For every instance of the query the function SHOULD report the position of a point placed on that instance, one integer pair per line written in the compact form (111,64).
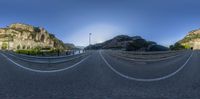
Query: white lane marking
(44,71)
(145,80)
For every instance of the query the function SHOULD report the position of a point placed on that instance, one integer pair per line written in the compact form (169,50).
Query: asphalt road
(103,76)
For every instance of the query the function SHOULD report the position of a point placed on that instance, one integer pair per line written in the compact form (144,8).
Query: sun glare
(100,33)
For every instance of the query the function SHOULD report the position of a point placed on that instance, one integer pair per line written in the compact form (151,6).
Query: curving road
(100,75)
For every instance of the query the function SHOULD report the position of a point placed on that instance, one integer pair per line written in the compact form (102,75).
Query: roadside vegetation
(178,46)
(38,51)
(4,46)
(190,38)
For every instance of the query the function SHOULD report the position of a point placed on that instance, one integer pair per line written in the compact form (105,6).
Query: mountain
(80,47)
(24,36)
(69,46)
(191,40)
(125,42)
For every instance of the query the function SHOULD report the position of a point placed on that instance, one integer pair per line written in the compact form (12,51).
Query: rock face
(192,40)
(23,36)
(135,43)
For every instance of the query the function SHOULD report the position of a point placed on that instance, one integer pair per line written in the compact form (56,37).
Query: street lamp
(90,38)
(8,42)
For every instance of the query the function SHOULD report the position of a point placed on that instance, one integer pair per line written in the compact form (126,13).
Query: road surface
(103,76)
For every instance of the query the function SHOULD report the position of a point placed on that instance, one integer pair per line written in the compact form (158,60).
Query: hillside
(191,40)
(23,36)
(125,42)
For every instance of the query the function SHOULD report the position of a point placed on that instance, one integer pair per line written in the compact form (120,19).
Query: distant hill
(23,36)
(80,47)
(69,46)
(125,42)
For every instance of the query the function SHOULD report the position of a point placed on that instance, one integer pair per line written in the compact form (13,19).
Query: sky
(162,21)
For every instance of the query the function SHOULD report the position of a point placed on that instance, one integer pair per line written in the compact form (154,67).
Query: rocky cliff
(24,36)
(191,40)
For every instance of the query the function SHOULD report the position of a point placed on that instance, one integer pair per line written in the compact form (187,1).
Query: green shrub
(24,47)
(29,52)
(28,47)
(177,46)
(37,29)
(4,46)
(18,47)
(39,51)
(187,46)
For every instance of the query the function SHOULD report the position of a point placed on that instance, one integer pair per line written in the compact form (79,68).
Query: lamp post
(90,38)
(8,42)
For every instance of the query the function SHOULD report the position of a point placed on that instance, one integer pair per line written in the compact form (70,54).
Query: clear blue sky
(163,21)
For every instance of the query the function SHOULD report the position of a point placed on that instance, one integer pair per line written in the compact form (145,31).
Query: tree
(18,47)
(177,46)
(187,46)
(37,29)
(4,46)
(24,47)
(28,47)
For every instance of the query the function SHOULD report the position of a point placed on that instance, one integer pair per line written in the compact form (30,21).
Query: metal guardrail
(48,60)
(150,53)
(39,57)
(139,58)
(144,60)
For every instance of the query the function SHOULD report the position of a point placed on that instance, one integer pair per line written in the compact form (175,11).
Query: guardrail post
(58,52)
(49,62)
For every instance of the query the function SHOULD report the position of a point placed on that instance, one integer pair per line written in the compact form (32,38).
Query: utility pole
(90,38)
(8,42)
